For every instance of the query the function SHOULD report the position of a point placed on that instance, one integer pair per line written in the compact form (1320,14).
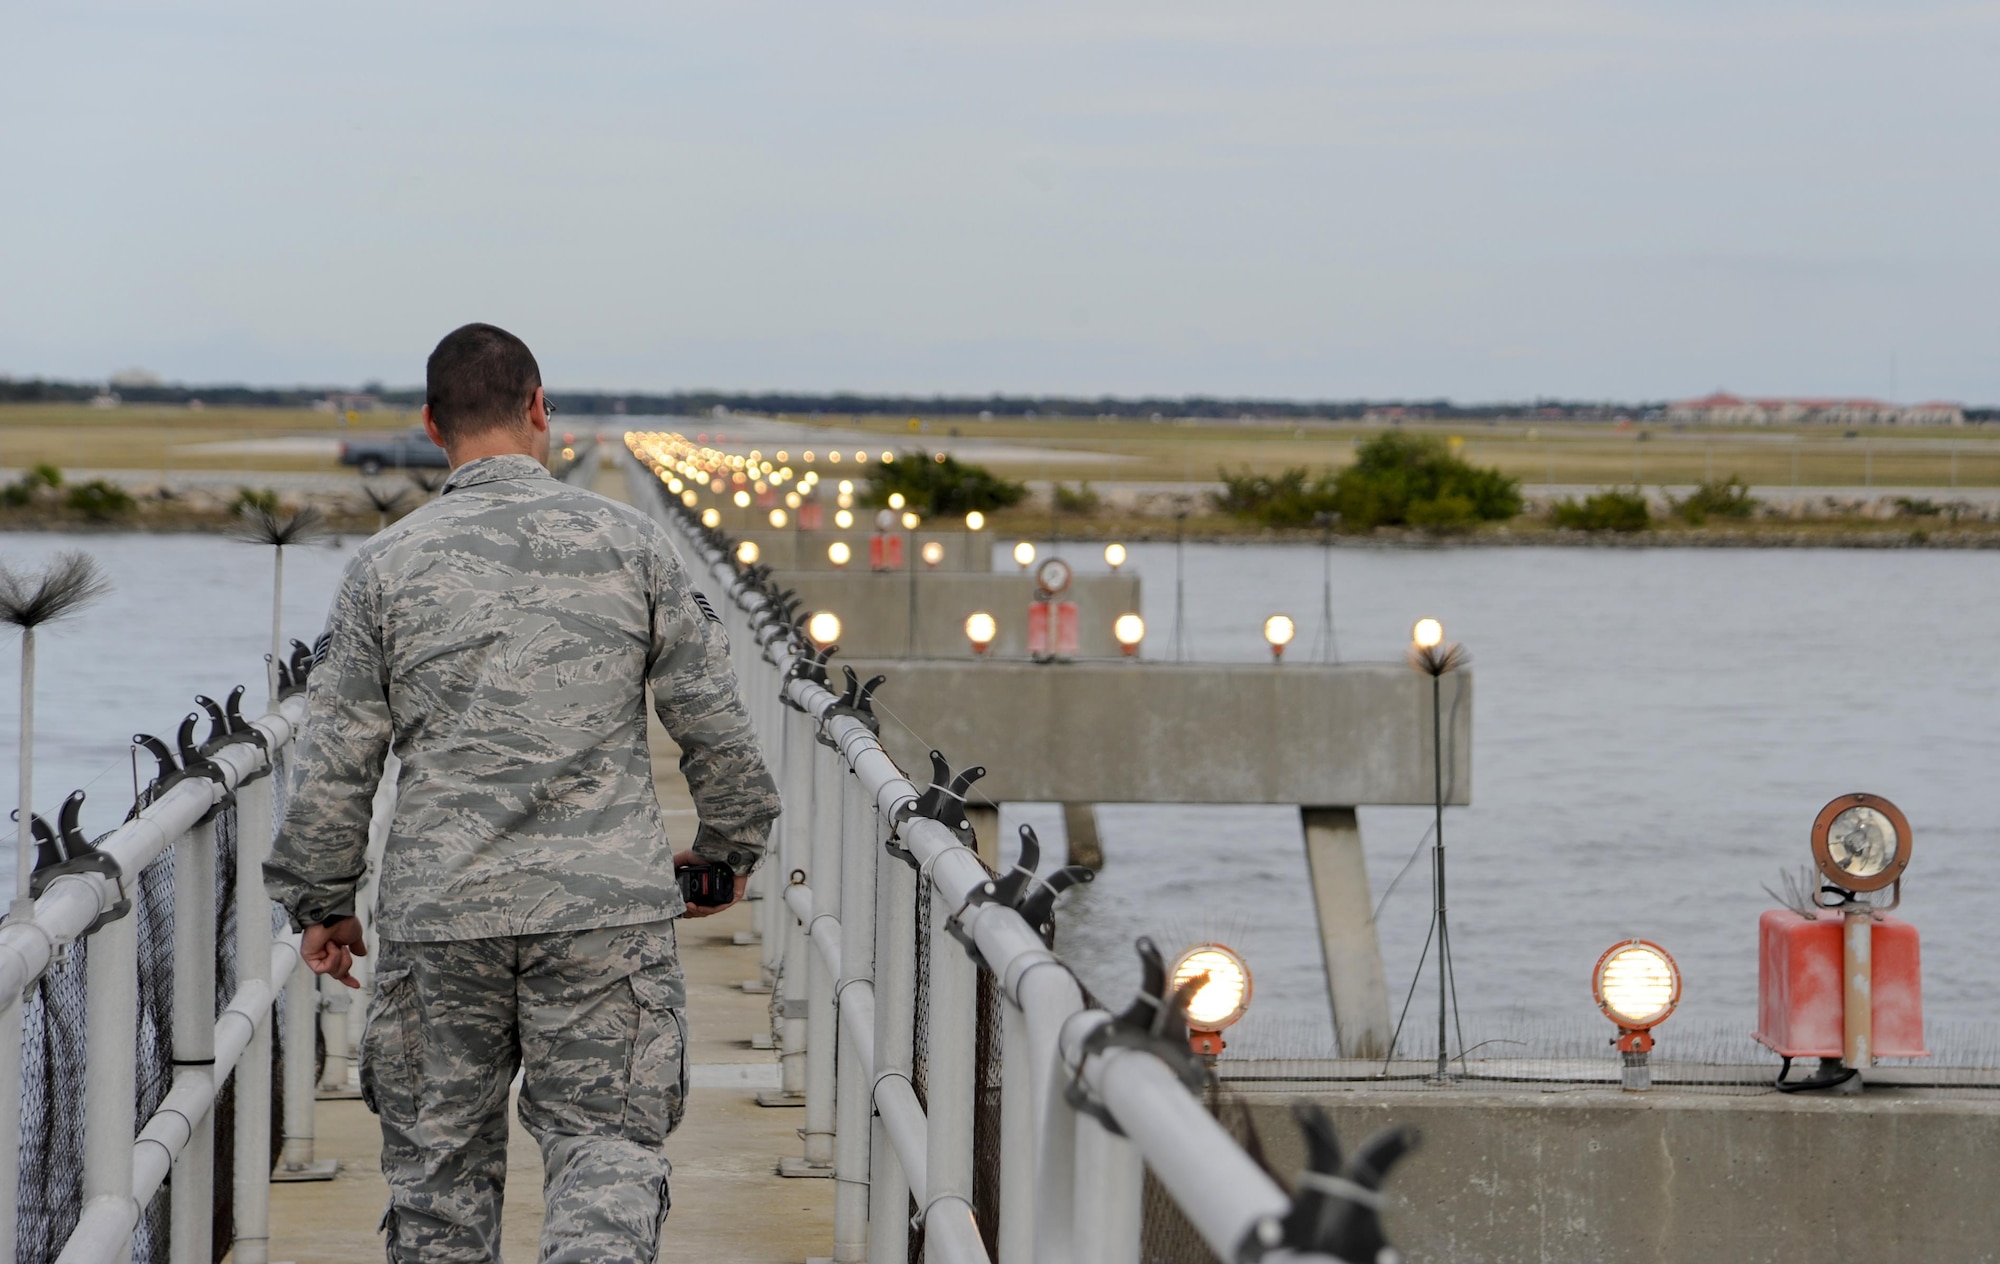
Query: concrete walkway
(729,1205)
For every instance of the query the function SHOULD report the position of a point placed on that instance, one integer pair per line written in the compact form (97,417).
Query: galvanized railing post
(301,1084)
(895,1025)
(854,1101)
(951,1048)
(191,1197)
(111,1039)
(822,1036)
(21,911)
(1109,1197)
(254,823)
(1017,1139)
(795,825)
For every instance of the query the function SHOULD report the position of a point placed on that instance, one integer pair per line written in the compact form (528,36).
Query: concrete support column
(1080,824)
(1353,953)
(986,830)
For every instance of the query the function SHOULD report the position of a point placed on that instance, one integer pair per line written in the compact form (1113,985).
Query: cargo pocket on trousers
(388,1047)
(656,1085)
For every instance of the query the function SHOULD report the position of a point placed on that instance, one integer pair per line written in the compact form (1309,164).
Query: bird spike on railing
(944,800)
(856,702)
(1156,1022)
(1025,891)
(65,850)
(1336,1209)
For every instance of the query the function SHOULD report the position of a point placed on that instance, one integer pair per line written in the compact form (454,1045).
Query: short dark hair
(480,378)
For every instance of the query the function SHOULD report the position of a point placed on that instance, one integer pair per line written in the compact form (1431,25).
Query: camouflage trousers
(596,1020)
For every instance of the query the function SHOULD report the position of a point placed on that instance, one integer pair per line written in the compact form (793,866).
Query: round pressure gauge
(1052,576)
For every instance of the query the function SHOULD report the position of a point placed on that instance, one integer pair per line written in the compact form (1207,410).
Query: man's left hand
(710,910)
(331,950)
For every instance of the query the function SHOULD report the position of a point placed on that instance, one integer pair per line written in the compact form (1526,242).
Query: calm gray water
(1654,731)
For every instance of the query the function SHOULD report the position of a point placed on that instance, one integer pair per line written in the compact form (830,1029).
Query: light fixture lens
(1428,633)
(1279,630)
(1024,553)
(910,521)
(838,553)
(748,552)
(933,553)
(793,500)
(844,519)
(1637,984)
(975,520)
(896,500)
(689,498)
(824,627)
(779,518)
(846,487)
(1114,555)
(1223,998)
(742,500)
(981,628)
(711,517)
(1861,842)
(1129,629)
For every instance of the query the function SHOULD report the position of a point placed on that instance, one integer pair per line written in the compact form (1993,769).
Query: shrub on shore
(100,501)
(938,486)
(1613,509)
(22,491)
(254,500)
(1082,499)
(1396,480)
(1716,498)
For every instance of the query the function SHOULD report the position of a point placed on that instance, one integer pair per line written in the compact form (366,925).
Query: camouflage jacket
(501,640)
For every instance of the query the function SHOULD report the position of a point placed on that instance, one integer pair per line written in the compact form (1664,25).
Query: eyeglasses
(548,405)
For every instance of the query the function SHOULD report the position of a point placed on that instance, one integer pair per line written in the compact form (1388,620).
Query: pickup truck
(403,450)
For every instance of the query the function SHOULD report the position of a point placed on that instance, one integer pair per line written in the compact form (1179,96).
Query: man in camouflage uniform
(501,641)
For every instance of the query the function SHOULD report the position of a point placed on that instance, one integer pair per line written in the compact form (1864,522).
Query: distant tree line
(850,404)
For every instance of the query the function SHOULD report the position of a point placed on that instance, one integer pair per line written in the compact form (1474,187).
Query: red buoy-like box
(1799,1005)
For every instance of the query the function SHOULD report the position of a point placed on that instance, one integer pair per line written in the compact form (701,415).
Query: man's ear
(538,412)
(431,429)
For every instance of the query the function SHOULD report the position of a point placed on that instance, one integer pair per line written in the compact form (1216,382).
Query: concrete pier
(876,609)
(1553,1172)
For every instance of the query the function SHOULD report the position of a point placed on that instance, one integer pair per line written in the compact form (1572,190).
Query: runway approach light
(846,487)
(742,500)
(823,628)
(711,517)
(910,521)
(838,553)
(975,521)
(844,519)
(1219,1001)
(980,629)
(1637,985)
(1278,633)
(1861,842)
(779,518)
(748,553)
(1024,555)
(689,498)
(896,500)
(1428,634)
(1114,555)
(793,500)
(1129,630)
(933,553)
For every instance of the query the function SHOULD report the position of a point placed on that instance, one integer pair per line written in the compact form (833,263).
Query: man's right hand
(331,950)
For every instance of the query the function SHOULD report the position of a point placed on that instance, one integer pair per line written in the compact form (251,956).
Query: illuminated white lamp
(1278,633)
(779,518)
(888,458)
(1428,634)
(846,487)
(689,498)
(823,628)
(845,500)
(1114,555)
(1024,555)
(980,629)
(711,517)
(910,521)
(1129,630)
(1637,985)
(675,486)
(1220,1000)
(747,552)
(793,500)
(975,521)
(844,519)
(896,500)
(838,553)
(933,553)
(742,500)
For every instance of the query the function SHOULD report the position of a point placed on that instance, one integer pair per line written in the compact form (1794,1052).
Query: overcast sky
(1477,198)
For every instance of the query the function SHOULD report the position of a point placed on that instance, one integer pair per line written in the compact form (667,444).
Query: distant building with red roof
(1724,409)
